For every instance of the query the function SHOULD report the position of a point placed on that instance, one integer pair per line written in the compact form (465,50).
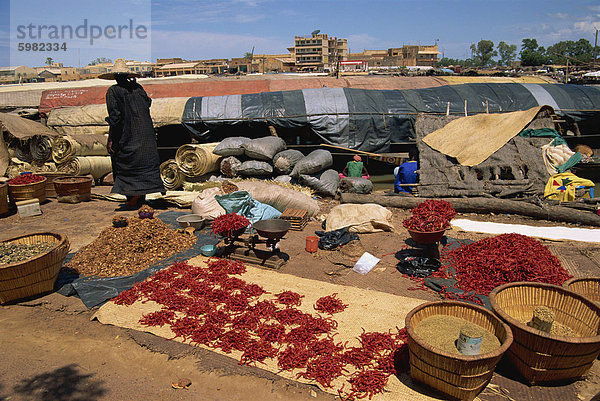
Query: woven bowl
(459,376)
(36,275)
(541,357)
(589,287)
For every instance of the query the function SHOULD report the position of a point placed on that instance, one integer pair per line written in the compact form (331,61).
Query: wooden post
(487,107)
(465,107)
(448,108)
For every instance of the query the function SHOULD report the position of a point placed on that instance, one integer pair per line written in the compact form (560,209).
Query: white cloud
(559,15)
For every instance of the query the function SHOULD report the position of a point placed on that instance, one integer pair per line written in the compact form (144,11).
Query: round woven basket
(27,191)
(36,275)
(541,357)
(589,287)
(50,177)
(459,376)
(78,187)
(3,199)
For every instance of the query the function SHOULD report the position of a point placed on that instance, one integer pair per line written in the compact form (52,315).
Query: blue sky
(229,28)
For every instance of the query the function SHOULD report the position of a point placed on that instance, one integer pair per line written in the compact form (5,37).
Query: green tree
(508,53)
(248,55)
(100,60)
(483,52)
(445,62)
(532,54)
(49,60)
(576,52)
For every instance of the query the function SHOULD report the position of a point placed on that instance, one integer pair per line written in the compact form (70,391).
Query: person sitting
(407,173)
(355,168)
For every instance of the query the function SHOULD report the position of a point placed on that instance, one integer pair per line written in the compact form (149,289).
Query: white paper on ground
(555,233)
(365,263)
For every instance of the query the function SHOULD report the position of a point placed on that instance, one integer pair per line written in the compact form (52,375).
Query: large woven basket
(36,275)
(50,177)
(542,357)
(73,189)
(589,287)
(459,376)
(28,191)
(3,199)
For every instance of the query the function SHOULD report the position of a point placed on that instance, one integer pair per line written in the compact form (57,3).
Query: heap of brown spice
(130,249)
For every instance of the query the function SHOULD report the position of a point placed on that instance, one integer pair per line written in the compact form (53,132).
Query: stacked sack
(267,157)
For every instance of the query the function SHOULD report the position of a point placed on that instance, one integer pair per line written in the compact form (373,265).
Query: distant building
(17,74)
(174,69)
(183,67)
(405,56)
(318,52)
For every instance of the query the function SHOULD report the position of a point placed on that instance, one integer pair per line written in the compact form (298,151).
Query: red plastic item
(312,244)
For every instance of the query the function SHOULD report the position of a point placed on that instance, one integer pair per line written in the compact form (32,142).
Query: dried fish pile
(14,253)
(128,250)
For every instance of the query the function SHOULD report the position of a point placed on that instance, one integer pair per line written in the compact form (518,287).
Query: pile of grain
(441,331)
(127,250)
(14,253)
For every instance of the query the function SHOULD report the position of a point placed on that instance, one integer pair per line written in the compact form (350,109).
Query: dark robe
(135,163)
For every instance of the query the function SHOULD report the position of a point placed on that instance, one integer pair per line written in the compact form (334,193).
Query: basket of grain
(568,351)
(3,199)
(27,186)
(434,358)
(589,287)
(29,264)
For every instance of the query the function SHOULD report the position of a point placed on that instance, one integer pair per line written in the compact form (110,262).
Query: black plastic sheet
(332,239)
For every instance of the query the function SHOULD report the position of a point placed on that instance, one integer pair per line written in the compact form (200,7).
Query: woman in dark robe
(131,138)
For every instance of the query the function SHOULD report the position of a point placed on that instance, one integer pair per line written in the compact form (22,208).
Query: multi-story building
(405,56)
(318,52)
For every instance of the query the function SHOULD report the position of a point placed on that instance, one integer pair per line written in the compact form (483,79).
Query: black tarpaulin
(370,120)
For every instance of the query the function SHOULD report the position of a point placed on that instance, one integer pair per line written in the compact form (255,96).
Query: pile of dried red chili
(24,179)
(431,215)
(483,265)
(208,306)
(227,224)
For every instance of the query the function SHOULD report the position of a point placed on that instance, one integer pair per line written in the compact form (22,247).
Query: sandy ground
(51,350)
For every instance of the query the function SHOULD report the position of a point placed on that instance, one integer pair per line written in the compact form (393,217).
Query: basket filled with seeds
(29,264)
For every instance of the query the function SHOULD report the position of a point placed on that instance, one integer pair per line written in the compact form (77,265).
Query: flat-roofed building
(170,70)
(17,74)
(318,52)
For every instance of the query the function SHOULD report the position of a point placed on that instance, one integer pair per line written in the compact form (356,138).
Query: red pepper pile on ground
(26,179)
(226,224)
(206,305)
(431,215)
(483,265)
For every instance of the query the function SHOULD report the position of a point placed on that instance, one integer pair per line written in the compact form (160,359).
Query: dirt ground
(51,350)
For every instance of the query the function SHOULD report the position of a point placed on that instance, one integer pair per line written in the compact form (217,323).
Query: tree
(445,62)
(248,55)
(576,52)
(49,61)
(484,51)
(100,60)
(532,54)
(508,53)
